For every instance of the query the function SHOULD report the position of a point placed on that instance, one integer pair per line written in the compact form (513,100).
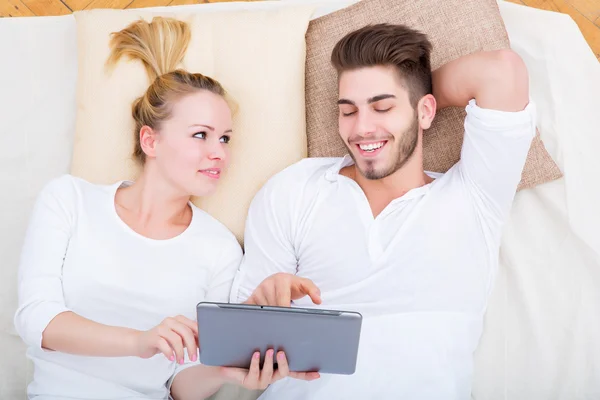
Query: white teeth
(371,146)
(212,172)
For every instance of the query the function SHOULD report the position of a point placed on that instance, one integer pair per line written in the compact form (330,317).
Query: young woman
(110,274)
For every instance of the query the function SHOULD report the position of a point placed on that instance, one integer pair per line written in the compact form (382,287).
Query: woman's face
(191,148)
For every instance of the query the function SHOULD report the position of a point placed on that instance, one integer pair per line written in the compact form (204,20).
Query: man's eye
(200,135)
(348,114)
(383,111)
(225,139)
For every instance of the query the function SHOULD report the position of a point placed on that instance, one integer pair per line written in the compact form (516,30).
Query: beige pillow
(258,56)
(455,28)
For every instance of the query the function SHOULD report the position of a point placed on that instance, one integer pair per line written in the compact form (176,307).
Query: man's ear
(426,111)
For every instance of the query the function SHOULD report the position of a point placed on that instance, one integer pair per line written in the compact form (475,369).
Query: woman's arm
(71,333)
(44,321)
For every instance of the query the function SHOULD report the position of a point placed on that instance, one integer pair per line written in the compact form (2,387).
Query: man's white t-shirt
(80,256)
(420,272)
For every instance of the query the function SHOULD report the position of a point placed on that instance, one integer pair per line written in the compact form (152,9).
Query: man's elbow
(509,79)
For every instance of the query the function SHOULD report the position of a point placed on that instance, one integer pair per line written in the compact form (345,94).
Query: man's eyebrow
(380,97)
(373,99)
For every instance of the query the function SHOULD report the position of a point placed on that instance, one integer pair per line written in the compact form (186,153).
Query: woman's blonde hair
(160,45)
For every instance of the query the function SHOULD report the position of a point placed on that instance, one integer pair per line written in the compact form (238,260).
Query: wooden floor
(586,13)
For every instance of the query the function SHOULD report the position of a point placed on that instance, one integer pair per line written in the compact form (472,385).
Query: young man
(415,252)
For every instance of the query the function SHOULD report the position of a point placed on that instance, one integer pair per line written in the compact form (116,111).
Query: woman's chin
(203,189)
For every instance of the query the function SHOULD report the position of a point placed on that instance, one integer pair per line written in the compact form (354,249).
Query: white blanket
(540,339)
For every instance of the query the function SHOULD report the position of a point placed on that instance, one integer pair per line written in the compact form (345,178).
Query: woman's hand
(170,337)
(257,379)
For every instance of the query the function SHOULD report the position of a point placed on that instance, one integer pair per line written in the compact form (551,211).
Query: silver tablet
(314,340)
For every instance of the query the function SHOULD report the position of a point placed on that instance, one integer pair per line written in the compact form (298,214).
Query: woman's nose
(217,152)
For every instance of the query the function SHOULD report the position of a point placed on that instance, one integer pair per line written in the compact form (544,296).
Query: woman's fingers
(267,371)
(174,341)
(188,338)
(193,325)
(163,346)
(252,379)
(283,368)
(305,376)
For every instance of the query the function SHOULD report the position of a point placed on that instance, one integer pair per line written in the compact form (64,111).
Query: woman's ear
(426,111)
(148,141)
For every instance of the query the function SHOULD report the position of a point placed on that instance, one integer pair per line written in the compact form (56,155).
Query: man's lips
(370,148)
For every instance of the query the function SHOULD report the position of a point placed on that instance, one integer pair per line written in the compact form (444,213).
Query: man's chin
(371,173)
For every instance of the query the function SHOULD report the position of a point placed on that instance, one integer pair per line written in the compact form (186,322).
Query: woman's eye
(382,111)
(348,114)
(200,135)
(225,139)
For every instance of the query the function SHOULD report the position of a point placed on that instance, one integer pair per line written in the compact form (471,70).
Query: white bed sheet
(37,121)
(540,340)
(542,327)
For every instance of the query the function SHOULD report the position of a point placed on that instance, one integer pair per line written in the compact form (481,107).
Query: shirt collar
(333,173)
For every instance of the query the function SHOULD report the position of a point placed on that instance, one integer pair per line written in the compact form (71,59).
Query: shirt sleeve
(40,292)
(268,241)
(493,155)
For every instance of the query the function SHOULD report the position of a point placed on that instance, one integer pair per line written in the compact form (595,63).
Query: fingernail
(194,357)
(181,361)
(256,355)
(270,353)
(280,355)
(172,358)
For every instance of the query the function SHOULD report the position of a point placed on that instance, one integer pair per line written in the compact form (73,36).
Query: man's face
(376,120)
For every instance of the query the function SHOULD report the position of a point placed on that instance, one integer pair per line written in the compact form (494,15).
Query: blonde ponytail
(160,45)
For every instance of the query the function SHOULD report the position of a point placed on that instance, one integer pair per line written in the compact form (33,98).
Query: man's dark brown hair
(404,48)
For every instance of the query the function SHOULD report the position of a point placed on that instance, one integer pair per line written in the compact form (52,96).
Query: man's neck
(381,192)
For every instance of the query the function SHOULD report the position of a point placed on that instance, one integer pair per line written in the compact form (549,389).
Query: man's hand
(495,79)
(281,288)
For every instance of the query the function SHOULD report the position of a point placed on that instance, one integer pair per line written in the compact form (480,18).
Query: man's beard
(403,150)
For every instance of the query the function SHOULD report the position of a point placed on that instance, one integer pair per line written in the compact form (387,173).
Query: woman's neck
(154,206)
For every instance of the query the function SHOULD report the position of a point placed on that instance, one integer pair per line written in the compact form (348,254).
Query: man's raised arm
(497,80)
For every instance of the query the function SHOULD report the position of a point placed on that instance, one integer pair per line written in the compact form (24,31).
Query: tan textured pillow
(455,28)
(258,56)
